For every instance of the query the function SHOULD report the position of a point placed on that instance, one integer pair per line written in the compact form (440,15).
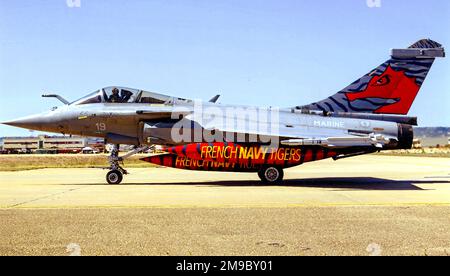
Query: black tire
(114,177)
(271,175)
(261,174)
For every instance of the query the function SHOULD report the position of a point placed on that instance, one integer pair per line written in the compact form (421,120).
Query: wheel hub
(272,174)
(113,177)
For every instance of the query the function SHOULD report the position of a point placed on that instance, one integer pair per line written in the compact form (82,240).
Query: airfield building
(48,144)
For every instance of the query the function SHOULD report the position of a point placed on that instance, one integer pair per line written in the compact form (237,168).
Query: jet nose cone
(31,122)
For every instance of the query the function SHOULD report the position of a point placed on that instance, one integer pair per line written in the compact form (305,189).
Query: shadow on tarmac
(356,183)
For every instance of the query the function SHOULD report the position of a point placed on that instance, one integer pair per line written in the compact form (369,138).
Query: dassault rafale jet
(367,116)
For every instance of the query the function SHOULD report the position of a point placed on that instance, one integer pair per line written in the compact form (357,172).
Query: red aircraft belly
(235,157)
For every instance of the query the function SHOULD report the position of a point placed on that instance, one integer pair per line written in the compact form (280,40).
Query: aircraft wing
(296,135)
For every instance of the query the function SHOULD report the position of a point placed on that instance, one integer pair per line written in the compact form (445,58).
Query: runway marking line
(17,205)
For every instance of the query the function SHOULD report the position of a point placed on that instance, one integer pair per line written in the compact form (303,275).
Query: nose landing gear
(116,172)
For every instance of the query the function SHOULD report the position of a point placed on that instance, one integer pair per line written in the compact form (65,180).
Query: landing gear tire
(116,172)
(271,175)
(114,177)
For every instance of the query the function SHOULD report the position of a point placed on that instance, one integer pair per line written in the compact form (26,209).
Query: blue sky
(278,53)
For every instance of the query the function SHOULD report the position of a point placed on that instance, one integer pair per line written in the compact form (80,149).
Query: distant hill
(432,132)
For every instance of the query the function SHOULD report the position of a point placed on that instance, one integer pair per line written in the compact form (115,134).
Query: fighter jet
(367,116)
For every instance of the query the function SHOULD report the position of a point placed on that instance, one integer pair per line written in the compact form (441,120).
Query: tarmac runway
(382,205)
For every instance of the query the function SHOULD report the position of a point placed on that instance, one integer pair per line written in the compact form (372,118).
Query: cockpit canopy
(116,94)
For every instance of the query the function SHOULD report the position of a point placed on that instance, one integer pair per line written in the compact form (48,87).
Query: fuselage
(199,135)
(142,122)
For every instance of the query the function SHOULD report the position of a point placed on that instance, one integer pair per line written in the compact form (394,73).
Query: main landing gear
(271,175)
(116,172)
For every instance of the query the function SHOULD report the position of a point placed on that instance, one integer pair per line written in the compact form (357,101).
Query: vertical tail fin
(391,87)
